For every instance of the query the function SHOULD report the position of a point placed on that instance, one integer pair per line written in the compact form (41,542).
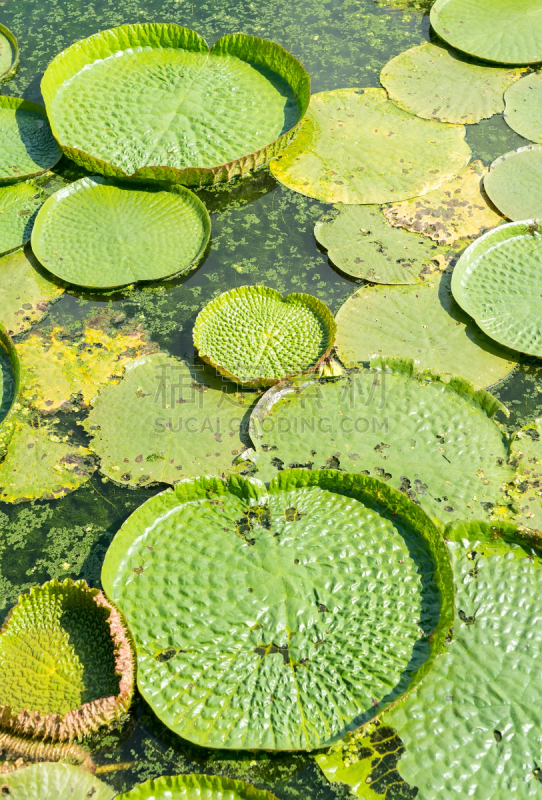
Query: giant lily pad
(98,232)
(182,113)
(526,490)
(9,54)
(188,423)
(423,323)
(362,244)
(522,112)
(505,31)
(194,787)
(329,592)
(434,82)
(456,211)
(356,146)
(25,293)
(28,146)
(19,205)
(514,183)
(53,782)
(497,281)
(435,441)
(66,665)
(256,337)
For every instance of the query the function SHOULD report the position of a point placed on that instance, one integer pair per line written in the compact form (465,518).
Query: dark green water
(262,234)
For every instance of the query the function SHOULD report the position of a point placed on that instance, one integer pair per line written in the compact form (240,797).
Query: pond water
(262,233)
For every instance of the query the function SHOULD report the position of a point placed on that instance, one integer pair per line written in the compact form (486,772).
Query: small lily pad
(356,146)
(523,112)
(9,54)
(505,31)
(194,787)
(423,323)
(456,211)
(256,336)
(98,232)
(497,281)
(28,146)
(19,205)
(361,243)
(277,605)
(188,423)
(52,782)
(435,82)
(25,292)
(514,183)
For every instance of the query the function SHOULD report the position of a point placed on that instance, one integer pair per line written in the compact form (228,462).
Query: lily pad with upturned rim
(504,31)
(435,82)
(9,54)
(28,146)
(522,111)
(256,337)
(357,147)
(184,114)
(99,232)
(498,282)
(296,613)
(194,787)
(19,206)
(514,183)
(53,782)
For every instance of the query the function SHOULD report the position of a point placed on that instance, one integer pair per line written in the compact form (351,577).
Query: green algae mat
(28,146)
(262,641)
(194,116)
(514,182)
(194,787)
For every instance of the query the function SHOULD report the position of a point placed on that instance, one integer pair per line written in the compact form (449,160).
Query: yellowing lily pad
(356,146)
(523,107)
(435,82)
(456,211)
(25,293)
(514,183)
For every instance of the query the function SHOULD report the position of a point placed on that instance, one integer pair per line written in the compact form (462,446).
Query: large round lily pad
(279,619)
(505,31)
(53,782)
(194,787)
(256,337)
(19,205)
(423,323)
(434,82)
(356,146)
(182,113)
(514,183)
(435,441)
(25,292)
(523,112)
(361,243)
(498,281)
(9,54)
(98,232)
(66,666)
(28,146)
(188,423)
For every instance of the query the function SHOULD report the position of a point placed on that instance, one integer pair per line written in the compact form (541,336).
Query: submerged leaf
(523,102)
(514,183)
(194,787)
(456,211)
(28,146)
(53,782)
(19,205)
(356,146)
(25,294)
(277,606)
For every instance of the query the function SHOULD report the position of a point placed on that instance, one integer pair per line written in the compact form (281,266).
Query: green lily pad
(526,490)
(514,183)
(522,112)
(456,211)
(25,293)
(194,787)
(256,336)
(434,82)
(53,782)
(9,54)
(98,232)
(275,634)
(422,323)
(8,381)
(356,146)
(66,664)
(28,146)
(19,205)
(435,441)
(188,423)
(505,31)
(361,243)
(182,113)
(497,282)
